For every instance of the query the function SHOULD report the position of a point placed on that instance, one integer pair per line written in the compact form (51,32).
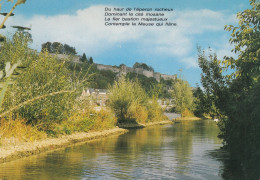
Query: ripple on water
(179,151)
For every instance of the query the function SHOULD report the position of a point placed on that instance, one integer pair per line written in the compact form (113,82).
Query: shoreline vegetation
(42,106)
(46,101)
(25,149)
(192,118)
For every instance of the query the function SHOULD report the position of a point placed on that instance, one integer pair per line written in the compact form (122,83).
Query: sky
(169,50)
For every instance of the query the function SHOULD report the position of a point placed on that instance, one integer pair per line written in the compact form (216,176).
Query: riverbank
(12,152)
(139,125)
(192,118)
(188,119)
(19,150)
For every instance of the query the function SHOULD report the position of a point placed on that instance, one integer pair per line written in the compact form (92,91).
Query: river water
(175,151)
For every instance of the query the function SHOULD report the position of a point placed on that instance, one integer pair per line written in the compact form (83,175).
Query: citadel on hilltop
(123,69)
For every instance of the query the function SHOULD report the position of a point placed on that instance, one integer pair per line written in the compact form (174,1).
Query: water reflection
(178,151)
(233,168)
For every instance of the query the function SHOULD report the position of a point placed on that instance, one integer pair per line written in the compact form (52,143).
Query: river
(174,151)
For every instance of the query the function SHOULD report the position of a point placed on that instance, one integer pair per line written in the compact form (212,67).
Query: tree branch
(34,99)
(7,16)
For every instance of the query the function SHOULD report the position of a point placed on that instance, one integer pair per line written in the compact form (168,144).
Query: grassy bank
(19,150)
(43,107)
(16,150)
(194,118)
(143,125)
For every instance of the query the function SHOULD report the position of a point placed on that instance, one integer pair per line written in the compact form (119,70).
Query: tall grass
(12,132)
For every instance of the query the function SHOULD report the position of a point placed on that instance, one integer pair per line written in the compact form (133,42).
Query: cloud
(191,62)
(199,21)
(86,31)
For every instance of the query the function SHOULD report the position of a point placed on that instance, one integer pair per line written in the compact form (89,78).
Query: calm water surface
(178,151)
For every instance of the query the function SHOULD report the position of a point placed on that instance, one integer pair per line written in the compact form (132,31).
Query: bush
(90,120)
(131,104)
(187,113)
(125,94)
(155,112)
(16,49)
(44,76)
(137,112)
(44,90)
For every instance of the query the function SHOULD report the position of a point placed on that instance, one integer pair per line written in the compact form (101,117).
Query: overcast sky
(80,24)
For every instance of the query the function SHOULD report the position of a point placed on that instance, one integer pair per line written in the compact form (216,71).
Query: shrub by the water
(131,103)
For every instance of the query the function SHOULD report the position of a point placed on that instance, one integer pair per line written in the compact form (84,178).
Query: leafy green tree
(202,105)
(57,47)
(182,95)
(48,84)
(146,82)
(214,83)
(84,58)
(246,40)
(46,47)
(166,85)
(123,95)
(143,65)
(242,128)
(43,89)
(91,60)
(69,50)
(237,95)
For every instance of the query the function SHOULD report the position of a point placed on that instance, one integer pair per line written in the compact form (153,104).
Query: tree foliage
(123,95)
(91,61)
(242,129)
(146,82)
(42,77)
(214,83)
(57,47)
(182,95)
(202,104)
(84,58)
(237,95)
(44,91)
(143,66)
(131,103)
(102,79)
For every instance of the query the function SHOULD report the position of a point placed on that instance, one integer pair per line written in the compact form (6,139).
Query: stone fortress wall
(124,70)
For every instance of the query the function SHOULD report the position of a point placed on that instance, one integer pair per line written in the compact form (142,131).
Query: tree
(182,95)
(91,60)
(143,65)
(145,82)
(69,50)
(57,47)
(46,47)
(201,104)
(214,83)
(84,58)
(125,94)
(236,95)
(242,128)
(246,39)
